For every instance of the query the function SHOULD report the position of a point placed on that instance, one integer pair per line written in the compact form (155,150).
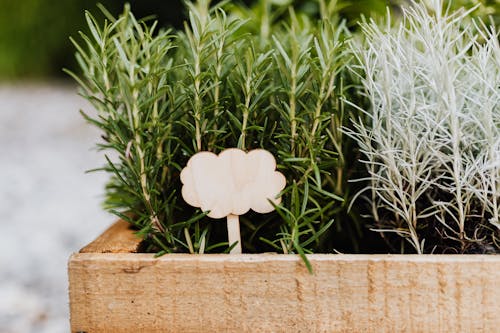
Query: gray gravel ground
(49,207)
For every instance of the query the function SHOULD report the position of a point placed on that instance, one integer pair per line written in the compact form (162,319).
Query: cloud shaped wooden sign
(232,183)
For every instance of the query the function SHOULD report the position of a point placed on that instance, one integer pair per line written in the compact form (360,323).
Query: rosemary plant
(431,134)
(162,96)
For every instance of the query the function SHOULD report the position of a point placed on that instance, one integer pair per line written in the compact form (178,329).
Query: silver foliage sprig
(430,136)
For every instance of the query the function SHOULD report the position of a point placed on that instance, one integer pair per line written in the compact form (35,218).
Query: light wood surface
(133,292)
(233,233)
(118,238)
(232,182)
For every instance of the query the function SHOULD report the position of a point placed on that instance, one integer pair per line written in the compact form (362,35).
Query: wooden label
(232,183)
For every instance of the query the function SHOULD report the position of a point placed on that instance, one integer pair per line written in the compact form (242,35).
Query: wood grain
(118,238)
(134,292)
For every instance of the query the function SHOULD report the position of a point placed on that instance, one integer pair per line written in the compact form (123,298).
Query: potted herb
(431,134)
(236,79)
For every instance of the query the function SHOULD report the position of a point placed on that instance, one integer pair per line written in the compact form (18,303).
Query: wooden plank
(118,238)
(133,292)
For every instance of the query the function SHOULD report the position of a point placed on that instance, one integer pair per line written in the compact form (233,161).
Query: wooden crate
(113,289)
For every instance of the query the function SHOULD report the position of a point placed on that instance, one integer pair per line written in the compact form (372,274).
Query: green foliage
(32,37)
(274,76)
(33,32)
(162,96)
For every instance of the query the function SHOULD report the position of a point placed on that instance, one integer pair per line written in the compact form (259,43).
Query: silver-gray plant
(431,134)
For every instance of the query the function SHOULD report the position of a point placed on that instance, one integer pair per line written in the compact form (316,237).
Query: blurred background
(49,206)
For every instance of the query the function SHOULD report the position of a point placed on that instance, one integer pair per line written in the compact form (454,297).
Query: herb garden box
(115,289)
(328,132)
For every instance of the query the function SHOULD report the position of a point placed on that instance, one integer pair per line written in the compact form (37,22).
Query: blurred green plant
(34,33)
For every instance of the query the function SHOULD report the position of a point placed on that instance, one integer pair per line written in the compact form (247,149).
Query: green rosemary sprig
(163,96)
